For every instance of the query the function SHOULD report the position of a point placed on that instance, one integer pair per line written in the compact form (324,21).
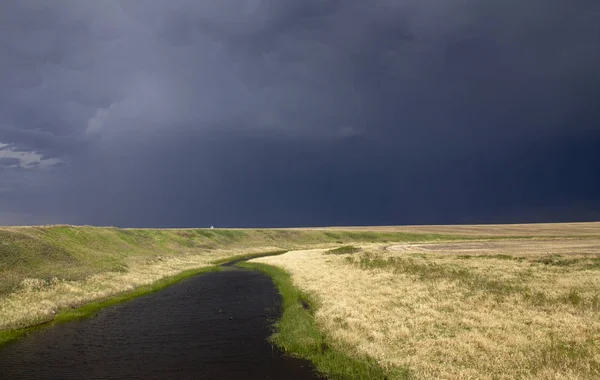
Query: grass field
(44,270)
(585,229)
(297,334)
(499,309)
(449,302)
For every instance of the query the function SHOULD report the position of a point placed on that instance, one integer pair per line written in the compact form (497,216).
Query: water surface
(212,326)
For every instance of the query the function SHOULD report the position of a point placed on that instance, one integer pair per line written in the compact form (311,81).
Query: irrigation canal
(211,326)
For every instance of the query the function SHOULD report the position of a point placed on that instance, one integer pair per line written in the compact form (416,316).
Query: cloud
(133,96)
(9,162)
(20,219)
(301,69)
(23,159)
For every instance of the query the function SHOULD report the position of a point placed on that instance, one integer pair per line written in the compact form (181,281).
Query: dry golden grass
(38,300)
(48,268)
(466,310)
(539,229)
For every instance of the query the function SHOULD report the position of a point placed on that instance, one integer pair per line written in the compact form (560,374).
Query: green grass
(475,282)
(577,356)
(296,334)
(75,253)
(434,272)
(346,249)
(560,261)
(90,309)
(248,257)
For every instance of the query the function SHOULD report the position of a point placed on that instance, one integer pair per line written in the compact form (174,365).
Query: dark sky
(172,113)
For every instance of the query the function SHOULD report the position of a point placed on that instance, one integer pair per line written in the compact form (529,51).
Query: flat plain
(523,308)
(591,229)
(47,270)
(424,302)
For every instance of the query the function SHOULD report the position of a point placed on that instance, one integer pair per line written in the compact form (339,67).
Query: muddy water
(212,326)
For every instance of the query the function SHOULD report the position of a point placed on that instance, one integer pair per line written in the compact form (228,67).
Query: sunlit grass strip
(343,250)
(296,334)
(89,309)
(73,253)
(239,258)
(513,309)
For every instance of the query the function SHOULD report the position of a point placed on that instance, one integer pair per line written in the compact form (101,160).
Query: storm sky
(174,113)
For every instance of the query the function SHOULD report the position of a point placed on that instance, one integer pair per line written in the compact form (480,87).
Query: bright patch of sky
(23,159)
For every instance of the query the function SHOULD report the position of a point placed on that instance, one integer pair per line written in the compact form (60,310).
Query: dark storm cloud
(285,112)
(9,161)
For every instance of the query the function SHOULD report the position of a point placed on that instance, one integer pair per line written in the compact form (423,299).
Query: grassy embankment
(56,273)
(88,309)
(501,309)
(297,334)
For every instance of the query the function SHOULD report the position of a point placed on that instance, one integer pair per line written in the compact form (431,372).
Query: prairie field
(46,269)
(485,309)
(424,302)
(581,229)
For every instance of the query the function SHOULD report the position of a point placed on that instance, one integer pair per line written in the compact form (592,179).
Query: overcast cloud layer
(289,113)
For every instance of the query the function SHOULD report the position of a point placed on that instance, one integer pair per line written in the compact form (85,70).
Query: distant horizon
(312,227)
